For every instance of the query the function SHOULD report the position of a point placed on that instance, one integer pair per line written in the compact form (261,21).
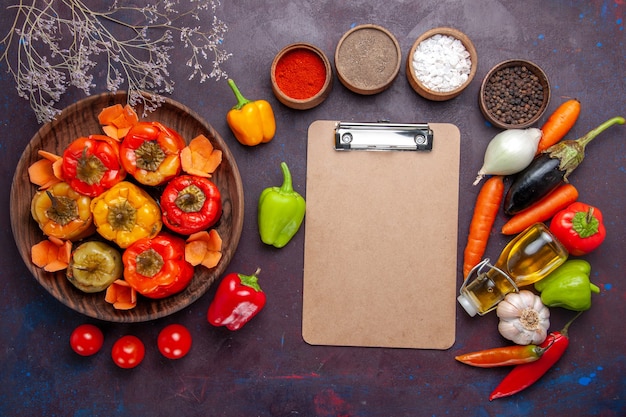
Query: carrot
(121,295)
(204,248)
(52,255)
(558,124)
(485,212)
(200,157)
(542,210)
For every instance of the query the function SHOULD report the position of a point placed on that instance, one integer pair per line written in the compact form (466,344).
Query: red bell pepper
(524,375)
(579,227)
(91,165)
(150,153)
(238,298)
(190,204)
(156,267)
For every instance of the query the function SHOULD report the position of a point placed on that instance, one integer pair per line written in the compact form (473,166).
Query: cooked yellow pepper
(126,213)
(63,213)
(252,122)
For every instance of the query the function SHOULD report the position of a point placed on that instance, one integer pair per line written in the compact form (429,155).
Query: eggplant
(549,170)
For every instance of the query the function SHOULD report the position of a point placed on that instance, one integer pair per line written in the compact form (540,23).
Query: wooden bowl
(80,119)
(542,79)
(367,59)
(418,85)
(308,102)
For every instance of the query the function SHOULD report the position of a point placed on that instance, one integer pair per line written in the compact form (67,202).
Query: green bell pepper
(281,211)
(568,286)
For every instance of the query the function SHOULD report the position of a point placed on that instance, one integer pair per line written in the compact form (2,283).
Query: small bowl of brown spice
(514,94)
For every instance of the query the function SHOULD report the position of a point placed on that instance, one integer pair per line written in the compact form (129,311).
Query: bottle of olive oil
(526,259)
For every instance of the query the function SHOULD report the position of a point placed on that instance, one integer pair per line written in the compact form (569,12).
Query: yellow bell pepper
(126,213)
(63,213)
(252,122)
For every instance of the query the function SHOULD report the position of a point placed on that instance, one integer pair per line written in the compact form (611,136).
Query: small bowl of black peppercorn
(514,94)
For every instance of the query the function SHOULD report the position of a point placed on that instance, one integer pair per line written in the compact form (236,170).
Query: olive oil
(526,259)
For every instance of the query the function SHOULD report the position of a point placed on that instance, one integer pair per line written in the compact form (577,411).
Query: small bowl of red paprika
(301,76)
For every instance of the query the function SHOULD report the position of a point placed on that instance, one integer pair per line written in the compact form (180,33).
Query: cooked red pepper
(502,356)
(91,165)
(156,267)
(238,298)
(579,227)
(190,204)
(523,376)
(150,152)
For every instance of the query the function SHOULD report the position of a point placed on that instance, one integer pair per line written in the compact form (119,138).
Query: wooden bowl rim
(543,78)
(307,103)
(426,92)
(90,304)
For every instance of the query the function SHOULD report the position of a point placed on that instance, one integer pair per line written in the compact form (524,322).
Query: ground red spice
(300,74)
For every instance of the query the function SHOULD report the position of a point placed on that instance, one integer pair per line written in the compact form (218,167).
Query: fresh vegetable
(156,267)
(200,158)
(523,376)
(174,341)
(502,356)
(238,299)
(568,286)
(190,204)
(91,165)
(542,210)
(52,254)
(128,352)
(281,211)
(150,153)
(579,227)
(204,248)
(524,319)
(125,214)
(558,124)
(485,211)
(86,340)
(252,122)
(63,213)
(509,152)
(121,295)
(94,266)
(116,120)
(549,170)
(47,171)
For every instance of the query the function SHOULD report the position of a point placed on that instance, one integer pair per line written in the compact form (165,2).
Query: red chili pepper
(91,165)
(238,298)
(190,204)
(579,227)
(156,267)
(502,356)
(150,153)
(523,376)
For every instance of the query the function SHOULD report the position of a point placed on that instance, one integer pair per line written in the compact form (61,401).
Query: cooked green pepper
(568,286)
(281,211)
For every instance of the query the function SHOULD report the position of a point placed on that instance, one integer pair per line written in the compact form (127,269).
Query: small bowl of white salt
(441,64)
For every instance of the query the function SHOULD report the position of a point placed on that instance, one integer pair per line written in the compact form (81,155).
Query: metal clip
(383,136)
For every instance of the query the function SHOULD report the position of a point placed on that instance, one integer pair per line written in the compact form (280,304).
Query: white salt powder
(441,63)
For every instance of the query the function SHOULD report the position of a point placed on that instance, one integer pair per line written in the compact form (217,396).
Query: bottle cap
(468,304)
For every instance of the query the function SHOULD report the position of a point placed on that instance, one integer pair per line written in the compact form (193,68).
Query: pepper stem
(565,328)
(241,100)
(287,186)
(251,280)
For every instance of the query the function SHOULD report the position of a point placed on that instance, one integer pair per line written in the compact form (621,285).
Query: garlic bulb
(524,319)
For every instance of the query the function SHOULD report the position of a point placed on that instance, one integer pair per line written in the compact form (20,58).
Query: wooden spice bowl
(367,59)
(313,100)
(541,100)
(419,86)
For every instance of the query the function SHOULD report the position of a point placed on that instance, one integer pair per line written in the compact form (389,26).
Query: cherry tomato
(86,339)
(174,341)
(128,351)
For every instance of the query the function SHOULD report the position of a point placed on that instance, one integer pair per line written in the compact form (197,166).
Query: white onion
(509,152)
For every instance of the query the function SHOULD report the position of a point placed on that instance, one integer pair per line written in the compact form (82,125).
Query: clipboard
(380,251)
